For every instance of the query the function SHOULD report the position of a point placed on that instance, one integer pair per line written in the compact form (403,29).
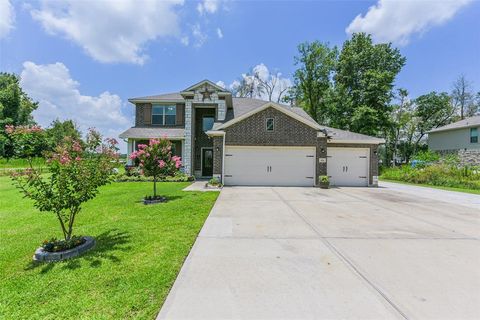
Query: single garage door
(269,166)
(348,166)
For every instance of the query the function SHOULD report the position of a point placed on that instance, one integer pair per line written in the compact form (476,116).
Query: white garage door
(348,166)
(270,166)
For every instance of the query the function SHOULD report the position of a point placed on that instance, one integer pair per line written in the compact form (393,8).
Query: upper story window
(270,124)
(164,115)
(473,135)
(207,123)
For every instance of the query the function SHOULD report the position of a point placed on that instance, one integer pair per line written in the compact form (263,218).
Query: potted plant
(324,182)
(76,170)
(213,183)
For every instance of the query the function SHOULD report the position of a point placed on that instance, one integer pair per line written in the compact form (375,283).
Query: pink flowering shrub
(27,141)
(77,170)
(156,160)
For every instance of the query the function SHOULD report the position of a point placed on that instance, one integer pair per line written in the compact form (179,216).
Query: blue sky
(84,59)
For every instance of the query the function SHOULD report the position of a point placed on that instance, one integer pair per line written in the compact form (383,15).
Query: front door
(207,162)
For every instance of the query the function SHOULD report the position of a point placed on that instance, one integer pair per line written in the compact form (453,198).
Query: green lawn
(432,186)
(140,250)
(20,163)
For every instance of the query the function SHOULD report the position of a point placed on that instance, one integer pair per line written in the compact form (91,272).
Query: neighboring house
(244,141)
(460,137)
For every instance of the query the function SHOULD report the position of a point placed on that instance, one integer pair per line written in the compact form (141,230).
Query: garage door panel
(348,166)
(270,166)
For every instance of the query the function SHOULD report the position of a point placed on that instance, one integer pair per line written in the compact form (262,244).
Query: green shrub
(324,179)
(427,156)
(55,245)
(214,182)
(440,174)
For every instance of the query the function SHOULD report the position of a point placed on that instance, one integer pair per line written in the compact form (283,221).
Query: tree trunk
(154,186)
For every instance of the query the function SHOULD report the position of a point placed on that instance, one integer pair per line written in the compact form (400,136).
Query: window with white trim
(165,115)
(270,124)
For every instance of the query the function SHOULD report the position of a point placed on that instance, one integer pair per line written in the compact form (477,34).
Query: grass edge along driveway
(140,250)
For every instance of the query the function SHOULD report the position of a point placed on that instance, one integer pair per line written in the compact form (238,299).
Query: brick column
(217,156)
(321,159)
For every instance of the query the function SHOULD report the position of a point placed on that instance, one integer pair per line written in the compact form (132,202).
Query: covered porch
(135,136)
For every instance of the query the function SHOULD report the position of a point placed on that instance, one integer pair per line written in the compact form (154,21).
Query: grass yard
(432,186)
(140,250)
(20,163)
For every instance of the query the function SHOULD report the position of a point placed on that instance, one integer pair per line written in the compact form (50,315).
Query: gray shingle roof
(167,97)
(465,123)
(240,107)
(140,133)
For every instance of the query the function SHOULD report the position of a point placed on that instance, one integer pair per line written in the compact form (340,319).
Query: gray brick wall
(217,155)
(373,156)
(288,131)
(139,115)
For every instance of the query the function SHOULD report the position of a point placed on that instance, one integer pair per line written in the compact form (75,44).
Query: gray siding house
(461,137)
(244,141)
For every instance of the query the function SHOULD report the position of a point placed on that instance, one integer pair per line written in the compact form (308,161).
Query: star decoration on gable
(206,94)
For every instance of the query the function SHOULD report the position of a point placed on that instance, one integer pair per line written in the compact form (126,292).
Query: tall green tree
(16,108)
(432,110)
(59,130)
(364,81)
(313,78)
(399,131)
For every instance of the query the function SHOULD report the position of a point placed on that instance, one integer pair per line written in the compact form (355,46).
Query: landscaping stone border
(162,199)
(41,255)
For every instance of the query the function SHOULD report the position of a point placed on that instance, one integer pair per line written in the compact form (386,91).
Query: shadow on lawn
(106,242)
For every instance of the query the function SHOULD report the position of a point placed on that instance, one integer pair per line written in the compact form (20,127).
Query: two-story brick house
(245,141)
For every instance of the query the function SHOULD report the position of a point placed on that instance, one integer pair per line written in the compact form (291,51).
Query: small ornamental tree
(77,169)
(26,141)
(156,160)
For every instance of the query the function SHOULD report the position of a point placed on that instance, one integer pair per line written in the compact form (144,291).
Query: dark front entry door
(207,162)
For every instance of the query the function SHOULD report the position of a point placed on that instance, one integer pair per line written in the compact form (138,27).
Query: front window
(474,135)
(270,124)
(207,123)
(164,115)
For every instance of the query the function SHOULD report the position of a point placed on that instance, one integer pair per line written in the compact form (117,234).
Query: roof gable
(205,83)
(278,107)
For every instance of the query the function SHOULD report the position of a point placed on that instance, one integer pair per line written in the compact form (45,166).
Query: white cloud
(208,6)
(185,40)
(221,84)
(7,18)
(219,33)
(199,36)
(110,30)
(59,97)
(397,21)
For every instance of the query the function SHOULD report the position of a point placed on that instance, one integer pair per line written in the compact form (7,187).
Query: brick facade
(288,131)
(143,115)
(217,155)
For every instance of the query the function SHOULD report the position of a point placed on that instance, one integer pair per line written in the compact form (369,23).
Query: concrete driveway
(395,252)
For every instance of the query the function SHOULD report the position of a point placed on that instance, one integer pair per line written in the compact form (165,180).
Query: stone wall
(469,157)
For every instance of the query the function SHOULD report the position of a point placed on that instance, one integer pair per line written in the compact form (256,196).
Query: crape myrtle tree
(77,169)
(156,160)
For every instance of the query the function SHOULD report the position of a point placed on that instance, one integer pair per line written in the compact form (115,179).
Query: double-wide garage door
(348,166)
(269,166)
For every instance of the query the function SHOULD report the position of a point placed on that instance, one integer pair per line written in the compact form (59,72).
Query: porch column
(187,155)
(130,143)
(218,157)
